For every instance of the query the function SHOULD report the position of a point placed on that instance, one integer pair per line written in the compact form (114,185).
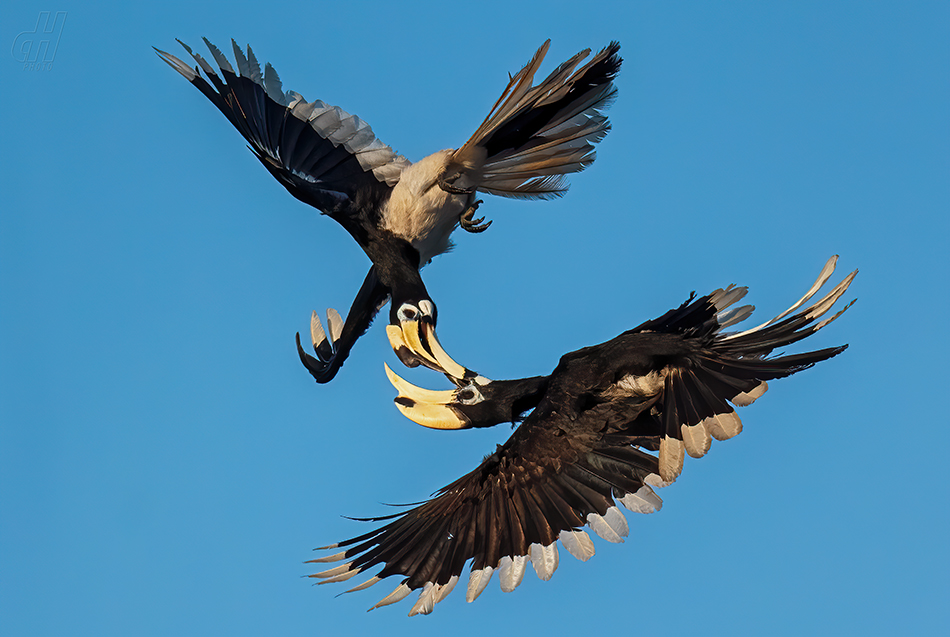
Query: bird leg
(466,219)
(473,225)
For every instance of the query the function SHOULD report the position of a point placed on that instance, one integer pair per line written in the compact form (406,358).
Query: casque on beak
(415,342)
(426,407)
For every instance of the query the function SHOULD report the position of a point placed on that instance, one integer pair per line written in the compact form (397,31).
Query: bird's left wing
(321,154)
(538,488)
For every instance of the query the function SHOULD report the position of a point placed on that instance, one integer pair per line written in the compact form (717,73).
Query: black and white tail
(534,135)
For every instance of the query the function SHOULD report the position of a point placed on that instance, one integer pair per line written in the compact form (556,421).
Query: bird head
(406,310)
(475,402)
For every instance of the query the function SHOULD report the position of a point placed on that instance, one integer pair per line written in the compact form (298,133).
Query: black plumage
(667,386)
(402,213)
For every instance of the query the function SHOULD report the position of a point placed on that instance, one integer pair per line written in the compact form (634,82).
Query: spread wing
(538,488)
(323,155)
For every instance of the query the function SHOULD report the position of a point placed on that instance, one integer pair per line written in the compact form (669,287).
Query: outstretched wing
(732,369)
(539,488)
(324,156)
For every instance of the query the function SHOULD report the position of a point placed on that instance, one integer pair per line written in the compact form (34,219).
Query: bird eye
(407,312)
(468,395)
(412,312)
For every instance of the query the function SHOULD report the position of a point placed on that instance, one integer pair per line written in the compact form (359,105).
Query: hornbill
(664,387)
(402,213)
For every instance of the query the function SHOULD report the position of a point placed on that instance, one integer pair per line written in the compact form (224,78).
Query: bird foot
(473,225)
(455,190)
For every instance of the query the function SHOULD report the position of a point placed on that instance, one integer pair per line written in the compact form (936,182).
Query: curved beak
(415,342)
(426,407)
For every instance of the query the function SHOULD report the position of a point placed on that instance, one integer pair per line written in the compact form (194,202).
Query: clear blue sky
(166,464)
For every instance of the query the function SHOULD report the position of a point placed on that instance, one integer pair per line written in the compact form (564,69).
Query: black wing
(321,154)
(542,486)
(732,368)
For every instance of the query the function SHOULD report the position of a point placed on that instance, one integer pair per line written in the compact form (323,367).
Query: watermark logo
(37,48)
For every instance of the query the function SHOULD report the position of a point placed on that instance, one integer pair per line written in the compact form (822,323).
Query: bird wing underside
(323,155)
(513,509)
(730,369)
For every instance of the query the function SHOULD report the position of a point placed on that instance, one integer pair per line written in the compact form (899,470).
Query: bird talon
(473,225)
(449,188)
(474,228)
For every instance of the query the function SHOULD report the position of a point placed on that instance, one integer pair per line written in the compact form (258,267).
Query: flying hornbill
(402,213)
(664,386)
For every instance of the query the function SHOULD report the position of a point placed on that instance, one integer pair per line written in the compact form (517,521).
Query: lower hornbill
(667,386)
(401,213)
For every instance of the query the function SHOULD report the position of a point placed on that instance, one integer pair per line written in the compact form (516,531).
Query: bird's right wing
(323,155)
(535,490)
(731,369)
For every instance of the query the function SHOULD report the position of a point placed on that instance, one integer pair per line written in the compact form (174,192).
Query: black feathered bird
(402,213)
(666,386)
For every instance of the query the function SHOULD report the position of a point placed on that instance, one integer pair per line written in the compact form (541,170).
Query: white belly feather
(419,211)
(646,386)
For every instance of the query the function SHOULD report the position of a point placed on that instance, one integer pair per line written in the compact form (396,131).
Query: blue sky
(166,464)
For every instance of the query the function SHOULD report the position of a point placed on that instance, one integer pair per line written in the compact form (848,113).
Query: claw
(449,188)
(473,225)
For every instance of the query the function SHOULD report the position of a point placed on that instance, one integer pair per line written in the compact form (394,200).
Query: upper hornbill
(402,213)
(665,386)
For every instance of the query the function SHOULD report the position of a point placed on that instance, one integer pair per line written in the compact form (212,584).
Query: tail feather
(547,187)
(518,85)
(534,135)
